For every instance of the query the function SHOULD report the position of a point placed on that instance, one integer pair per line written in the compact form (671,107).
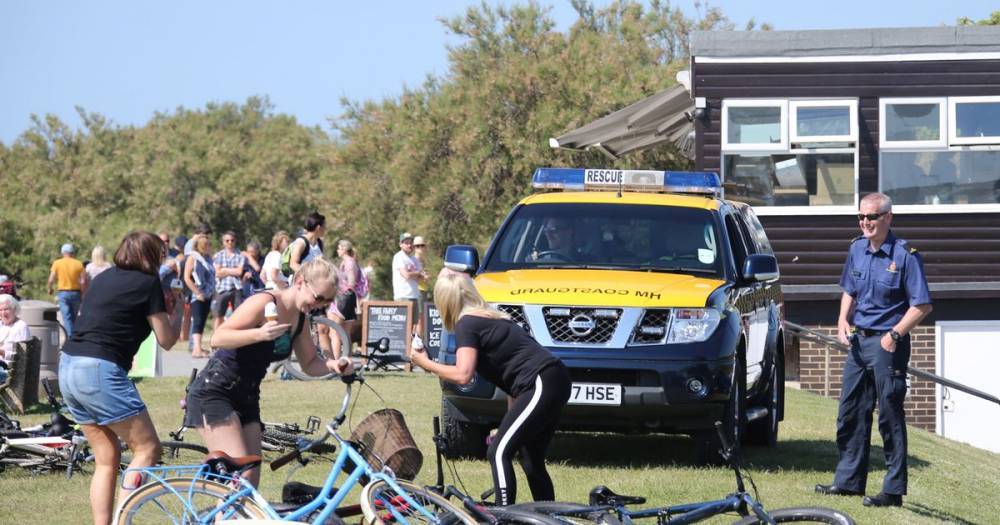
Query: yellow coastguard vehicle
(661,297)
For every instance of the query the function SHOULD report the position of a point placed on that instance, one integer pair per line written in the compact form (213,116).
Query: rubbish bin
(41,317)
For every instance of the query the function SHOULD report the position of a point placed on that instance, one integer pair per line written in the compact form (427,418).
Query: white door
(968,352)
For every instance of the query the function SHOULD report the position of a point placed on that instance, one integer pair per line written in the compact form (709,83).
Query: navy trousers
(870,374)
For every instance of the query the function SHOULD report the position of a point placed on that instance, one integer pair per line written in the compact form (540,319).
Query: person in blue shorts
(121,307)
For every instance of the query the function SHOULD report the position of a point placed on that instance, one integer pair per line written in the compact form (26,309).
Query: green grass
(949,481)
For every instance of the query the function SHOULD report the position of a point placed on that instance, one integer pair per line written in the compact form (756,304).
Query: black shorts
(222,300)
(347,305)
(219,392)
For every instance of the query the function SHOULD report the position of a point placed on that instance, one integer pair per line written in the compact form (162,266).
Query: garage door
(968,352)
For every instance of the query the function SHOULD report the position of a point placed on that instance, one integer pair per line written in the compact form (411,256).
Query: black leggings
(528,428)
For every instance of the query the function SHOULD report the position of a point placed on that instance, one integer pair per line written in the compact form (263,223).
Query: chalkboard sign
(433,330)
(388,319)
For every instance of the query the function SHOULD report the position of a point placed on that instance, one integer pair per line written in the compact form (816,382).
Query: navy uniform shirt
(883,283)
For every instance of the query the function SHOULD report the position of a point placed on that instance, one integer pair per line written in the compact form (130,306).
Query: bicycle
(56,445)
(217,490)
(607,508)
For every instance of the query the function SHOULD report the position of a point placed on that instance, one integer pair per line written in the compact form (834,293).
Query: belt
(870,333)
(67,290)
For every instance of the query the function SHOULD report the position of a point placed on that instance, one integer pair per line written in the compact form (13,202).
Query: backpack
(286,256)
(361,287)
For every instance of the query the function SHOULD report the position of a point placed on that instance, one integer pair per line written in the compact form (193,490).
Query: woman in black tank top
(224,400)
(536,382)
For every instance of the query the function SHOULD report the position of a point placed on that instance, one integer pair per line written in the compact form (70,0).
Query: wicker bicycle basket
(384,440)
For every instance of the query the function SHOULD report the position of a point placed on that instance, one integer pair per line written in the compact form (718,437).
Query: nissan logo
(581,325)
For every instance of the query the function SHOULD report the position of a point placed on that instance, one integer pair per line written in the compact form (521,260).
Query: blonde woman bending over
(537,384)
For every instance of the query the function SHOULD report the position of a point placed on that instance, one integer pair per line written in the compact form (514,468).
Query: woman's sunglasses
(317,297)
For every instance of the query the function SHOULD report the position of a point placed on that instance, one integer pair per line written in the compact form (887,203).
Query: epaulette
(905,245)
(856,239)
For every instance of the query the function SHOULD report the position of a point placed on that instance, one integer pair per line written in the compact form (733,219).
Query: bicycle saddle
(222,463)
(601,495)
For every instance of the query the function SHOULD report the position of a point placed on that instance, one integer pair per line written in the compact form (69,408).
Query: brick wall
(820,370)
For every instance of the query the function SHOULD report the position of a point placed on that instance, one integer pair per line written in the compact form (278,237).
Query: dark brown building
(802,124)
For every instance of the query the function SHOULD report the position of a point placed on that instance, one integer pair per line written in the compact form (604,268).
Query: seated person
(12,330)
(560,237)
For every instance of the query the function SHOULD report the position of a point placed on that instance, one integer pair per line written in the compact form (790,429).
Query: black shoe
(883,500)
(833,490)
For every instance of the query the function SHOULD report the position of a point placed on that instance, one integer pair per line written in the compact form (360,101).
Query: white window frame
(942,141)
(782,104)
(953,138)
(793,120)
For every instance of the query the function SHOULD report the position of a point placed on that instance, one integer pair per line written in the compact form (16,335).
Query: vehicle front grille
(582,325)
(652,329)
(516,313)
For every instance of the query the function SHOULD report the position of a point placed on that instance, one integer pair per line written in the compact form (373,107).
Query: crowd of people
(261,307)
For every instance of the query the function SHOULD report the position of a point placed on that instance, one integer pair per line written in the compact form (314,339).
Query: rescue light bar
(582,179)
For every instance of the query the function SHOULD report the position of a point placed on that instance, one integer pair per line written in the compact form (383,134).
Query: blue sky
(129,59)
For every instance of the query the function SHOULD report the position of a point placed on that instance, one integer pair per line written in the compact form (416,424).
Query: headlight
(692,325)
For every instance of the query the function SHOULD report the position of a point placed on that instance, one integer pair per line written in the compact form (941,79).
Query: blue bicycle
(216,490)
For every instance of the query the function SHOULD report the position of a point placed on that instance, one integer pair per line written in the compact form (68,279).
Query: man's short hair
(314,220)
(883,201)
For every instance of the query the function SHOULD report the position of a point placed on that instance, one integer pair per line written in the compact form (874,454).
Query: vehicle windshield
(609,236)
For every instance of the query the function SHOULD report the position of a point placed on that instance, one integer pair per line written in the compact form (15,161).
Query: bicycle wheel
(291,365)
(379,499)
(281,440)
(156,503)
(569,512)
(181,453)
(802,515)
(512,516)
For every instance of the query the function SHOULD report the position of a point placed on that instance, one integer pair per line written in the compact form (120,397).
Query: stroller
(8,286)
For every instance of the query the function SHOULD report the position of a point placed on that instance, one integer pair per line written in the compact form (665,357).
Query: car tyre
(463,439)
(764,431)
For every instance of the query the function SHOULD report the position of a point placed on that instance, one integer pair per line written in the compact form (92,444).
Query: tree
(993,20)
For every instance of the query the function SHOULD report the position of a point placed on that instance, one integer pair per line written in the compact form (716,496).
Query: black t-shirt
(507,355)
(112,320)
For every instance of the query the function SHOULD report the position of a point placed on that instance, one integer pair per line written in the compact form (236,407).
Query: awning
(654,120)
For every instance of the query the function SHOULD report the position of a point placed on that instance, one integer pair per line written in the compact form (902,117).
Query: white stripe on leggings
(501,480)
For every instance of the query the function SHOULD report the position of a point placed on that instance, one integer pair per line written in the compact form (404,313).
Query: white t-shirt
(15,333)
(403,288)
(272,261)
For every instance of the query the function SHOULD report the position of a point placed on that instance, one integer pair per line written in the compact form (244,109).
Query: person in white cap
(67,272)
(407,272)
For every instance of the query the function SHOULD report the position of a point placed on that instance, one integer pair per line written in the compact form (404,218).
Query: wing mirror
(760,267)
(462,258)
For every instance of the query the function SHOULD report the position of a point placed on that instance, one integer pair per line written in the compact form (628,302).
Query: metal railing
(812,335)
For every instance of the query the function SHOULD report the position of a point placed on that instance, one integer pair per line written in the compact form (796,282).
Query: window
(941,177)
(974,120)
(912,122)
(807,159)
(819,121)
(791,179)
(753,124)
(940,150)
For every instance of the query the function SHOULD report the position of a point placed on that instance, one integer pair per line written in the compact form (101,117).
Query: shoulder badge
(913,250)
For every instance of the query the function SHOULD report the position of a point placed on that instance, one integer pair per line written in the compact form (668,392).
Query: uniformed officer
(885,296)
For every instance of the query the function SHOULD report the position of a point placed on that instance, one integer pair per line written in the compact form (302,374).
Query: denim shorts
(97,392)
(219,392)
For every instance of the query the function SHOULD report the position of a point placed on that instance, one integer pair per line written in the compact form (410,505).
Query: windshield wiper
(682,269)
(580,267)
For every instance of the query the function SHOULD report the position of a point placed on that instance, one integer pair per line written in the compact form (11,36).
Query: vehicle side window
(757,231)
(736,242)
(748,239)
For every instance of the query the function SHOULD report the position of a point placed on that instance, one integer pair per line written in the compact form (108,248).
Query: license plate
(595,394)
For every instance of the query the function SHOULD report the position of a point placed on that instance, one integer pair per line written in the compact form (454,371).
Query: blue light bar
(580,179)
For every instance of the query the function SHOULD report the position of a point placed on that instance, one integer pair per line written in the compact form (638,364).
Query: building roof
(846,42)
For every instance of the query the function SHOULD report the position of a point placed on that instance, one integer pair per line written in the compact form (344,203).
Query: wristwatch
(895,335)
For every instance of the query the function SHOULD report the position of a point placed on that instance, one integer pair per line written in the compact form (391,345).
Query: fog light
(696,386)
